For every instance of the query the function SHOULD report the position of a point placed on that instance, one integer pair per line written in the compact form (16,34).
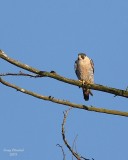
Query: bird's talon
(82,81)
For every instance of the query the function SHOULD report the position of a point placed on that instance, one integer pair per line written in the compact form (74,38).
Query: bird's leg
(87,82)
(83,82)
(85,85)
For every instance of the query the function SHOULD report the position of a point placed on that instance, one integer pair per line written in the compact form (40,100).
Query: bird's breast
(85,71)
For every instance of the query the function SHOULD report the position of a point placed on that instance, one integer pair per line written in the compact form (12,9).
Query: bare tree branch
(64,155)
(19,74)
(117,92)
(64,102)
(76,155)
(74,144)
(64,138)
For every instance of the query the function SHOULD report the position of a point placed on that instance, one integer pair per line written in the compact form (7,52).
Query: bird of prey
(84,68)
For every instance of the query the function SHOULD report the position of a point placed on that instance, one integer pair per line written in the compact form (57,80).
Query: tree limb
(54,75)
(76,155)
(64,138)
(64,102)
(19,74)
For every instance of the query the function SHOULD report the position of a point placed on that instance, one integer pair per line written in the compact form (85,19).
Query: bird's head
(81,56)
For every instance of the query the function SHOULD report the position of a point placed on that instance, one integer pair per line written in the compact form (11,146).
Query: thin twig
(74,144)
(64,155)
(20,74)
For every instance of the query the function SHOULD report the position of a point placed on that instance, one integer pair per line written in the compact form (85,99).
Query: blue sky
(48,35)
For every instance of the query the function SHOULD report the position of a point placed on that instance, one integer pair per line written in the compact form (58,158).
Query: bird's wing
(75,67)
(92,64)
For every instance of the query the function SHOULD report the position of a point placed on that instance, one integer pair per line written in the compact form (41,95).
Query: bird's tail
(86,93)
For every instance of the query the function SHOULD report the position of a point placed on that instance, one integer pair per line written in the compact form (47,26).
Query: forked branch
(76,155)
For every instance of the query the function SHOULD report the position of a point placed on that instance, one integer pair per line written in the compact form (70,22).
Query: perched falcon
(84,68)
